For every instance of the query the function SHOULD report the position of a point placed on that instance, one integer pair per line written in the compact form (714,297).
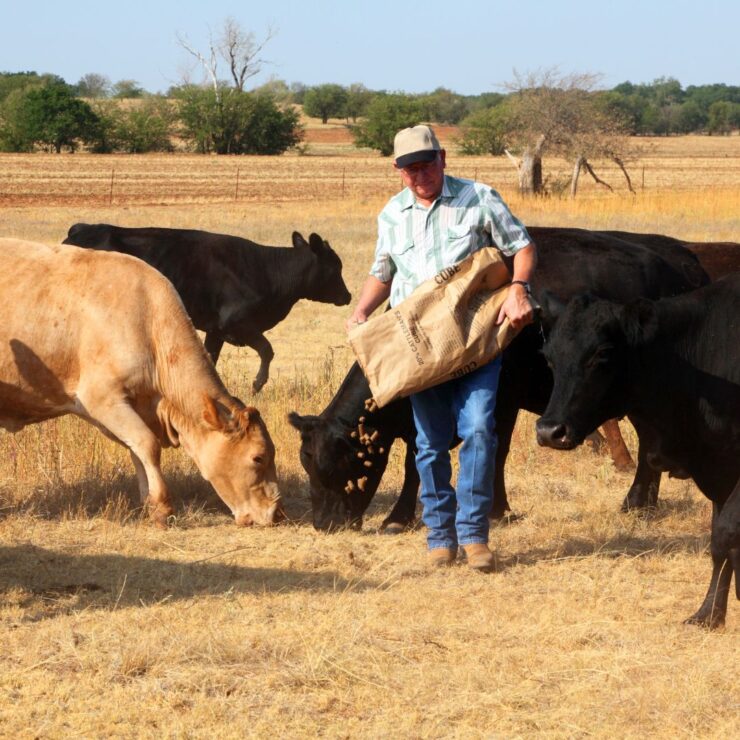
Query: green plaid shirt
(415,243)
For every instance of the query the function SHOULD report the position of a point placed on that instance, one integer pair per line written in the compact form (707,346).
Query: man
(435,222)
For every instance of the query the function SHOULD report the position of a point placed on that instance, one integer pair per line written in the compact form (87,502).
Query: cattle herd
(630,325)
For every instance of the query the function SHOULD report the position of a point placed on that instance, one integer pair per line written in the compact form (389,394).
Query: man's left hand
(517,307)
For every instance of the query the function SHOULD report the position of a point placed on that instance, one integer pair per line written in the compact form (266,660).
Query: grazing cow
(105,337)
(233,289)
(674,366)
(571,261)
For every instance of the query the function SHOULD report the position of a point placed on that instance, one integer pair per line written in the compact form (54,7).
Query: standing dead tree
(560,115)
(238,48)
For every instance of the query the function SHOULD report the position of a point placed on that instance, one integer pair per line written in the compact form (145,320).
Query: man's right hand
(373,293)
(358,317)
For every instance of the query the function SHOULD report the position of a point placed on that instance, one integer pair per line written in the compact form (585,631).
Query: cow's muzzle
(556,435)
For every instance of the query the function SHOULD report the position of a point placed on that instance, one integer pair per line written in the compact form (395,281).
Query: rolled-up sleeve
(508,233)
(383,267)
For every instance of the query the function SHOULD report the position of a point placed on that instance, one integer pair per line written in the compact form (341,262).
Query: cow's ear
(639,321)
(316,243)
(302,423)
(298,240)
(551,307)
(217,416)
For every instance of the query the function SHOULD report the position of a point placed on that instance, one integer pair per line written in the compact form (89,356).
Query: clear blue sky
(470,47)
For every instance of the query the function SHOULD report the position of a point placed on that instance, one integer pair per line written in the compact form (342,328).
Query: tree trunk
(574,179)
(530,173)
(530,169)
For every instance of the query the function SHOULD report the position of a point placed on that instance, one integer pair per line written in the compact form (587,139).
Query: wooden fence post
(236,189)
(110,194)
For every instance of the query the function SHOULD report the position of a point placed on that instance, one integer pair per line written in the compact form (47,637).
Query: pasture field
(110,628)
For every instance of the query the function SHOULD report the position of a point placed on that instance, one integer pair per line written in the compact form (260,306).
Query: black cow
(233,289)
(674,366)
(571,261)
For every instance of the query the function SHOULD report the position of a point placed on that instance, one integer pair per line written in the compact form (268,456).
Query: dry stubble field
(110,628)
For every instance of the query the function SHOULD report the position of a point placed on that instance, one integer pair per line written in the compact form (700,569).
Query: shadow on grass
(54,583)
(117,498)
(619,546)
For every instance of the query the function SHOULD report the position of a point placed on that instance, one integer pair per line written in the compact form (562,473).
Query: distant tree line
(42,111)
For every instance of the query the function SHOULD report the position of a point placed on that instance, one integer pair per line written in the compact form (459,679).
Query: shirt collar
(450,189)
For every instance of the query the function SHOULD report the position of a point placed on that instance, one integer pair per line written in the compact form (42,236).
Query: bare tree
(238,48)
(559,115)
(241,50)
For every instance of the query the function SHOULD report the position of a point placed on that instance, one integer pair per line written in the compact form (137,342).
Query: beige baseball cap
(415,144)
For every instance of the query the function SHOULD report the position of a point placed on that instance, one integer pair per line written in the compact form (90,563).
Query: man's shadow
(54,582)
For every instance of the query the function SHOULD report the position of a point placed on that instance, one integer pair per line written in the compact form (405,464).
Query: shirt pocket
(401,247)
(460,241)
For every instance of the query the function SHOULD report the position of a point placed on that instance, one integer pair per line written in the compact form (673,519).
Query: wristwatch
(525,284)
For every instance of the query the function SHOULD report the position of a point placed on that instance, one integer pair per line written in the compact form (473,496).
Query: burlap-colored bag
(444,329)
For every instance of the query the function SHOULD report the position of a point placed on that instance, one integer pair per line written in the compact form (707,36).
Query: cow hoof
(643,510)
(708,622)
(162,516)
(393,528)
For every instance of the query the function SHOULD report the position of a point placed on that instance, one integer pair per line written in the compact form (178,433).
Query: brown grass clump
(110,628)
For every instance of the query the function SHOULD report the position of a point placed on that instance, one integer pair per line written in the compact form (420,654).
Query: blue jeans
(465,405)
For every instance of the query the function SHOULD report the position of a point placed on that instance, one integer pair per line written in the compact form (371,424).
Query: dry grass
(112,629)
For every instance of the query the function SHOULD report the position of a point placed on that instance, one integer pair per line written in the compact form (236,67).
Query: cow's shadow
(46,583)
(117,498)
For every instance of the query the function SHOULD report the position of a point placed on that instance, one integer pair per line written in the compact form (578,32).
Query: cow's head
(323,281)
(234,452)
(589,352)
(344,470)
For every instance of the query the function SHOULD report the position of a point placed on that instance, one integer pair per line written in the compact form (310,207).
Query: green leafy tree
(298,92)
(724,117)
(15,135)
(325,101)
(10,81)
(136,128)
(384,117)
(484,132)
(52,117)
(228,121)
(443,106)
(690,117)
(278,89)
(358,98)
(127,89)
(93,85)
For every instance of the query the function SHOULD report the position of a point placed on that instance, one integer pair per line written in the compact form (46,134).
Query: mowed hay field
(110,628)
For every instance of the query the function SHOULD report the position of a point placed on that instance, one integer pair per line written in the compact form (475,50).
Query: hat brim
(425,155)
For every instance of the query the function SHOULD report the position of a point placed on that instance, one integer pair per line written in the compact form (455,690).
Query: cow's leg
(403,514)
(127,426)
(140,477)
(725,546)
(264,350)
(643,493)
(617,448)
(213,343)
(506,413)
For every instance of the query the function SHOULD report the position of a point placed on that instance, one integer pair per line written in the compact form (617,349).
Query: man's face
(424,179)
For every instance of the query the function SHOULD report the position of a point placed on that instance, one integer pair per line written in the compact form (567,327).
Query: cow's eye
(600,356)
(258,460)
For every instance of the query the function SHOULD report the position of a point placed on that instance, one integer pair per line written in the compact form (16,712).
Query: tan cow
(104,336)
